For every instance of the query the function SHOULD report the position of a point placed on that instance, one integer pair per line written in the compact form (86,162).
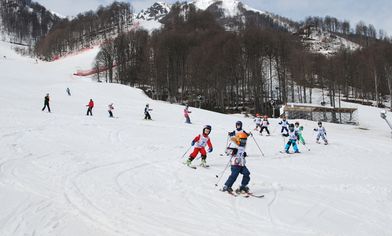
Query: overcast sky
(375,12)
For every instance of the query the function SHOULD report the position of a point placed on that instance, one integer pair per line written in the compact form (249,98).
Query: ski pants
(187,119)
(292,142)
(196,151)
(262,129)
(301,139)
(90,111)
(46,105)
(235,171)
(283,129)
(322,136)
(147,116)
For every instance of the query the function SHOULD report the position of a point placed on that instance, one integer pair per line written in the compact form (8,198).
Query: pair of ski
(245,195)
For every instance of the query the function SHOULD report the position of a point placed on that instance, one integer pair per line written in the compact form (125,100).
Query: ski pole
(262,153)
(306,146)
(186,152)
(220,176)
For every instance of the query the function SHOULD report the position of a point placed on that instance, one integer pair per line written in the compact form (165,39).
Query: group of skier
(237,140)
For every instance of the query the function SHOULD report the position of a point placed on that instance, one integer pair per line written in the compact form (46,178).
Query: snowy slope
(63,173)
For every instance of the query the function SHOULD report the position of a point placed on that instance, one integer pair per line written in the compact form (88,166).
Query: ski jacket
(320,130)
(299,129)
(265,123)
(91,104)
(47,99)
(186,112)
(293,135)
(239,158)
(146,110)
(284,123)
(257,121)
(202,140)
(236,131)
(110,107)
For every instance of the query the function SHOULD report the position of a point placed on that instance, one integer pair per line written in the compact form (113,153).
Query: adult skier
(299,130)
(199,143)
(264,125)
(147,110)
(110,109)
(284,123)
(46,102)
(186,114)
(238,164)
(321,133)
(293,137)
(90,107)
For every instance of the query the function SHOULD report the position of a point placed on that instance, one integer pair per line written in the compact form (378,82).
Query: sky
(374,12)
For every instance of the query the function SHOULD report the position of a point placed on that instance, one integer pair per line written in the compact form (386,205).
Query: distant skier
(293,137)
(90,106)
(199,143)
(284,123)
(299,130)
(264,125)
(110,110)
(46,102)
(321,133)
(147,115)
(186,114)
(238,164)
(68,91)
(258,121)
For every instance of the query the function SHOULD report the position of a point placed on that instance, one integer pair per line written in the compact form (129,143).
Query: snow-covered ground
(63,173)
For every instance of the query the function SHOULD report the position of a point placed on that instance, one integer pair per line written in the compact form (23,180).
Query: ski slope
(63,173)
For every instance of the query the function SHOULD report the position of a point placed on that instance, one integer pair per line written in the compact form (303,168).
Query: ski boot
(287,151)
(188,162)
(242,189)
(203,163)
(227,189)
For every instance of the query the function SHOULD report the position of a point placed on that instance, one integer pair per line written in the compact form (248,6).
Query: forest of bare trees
(85,29)
(194,60)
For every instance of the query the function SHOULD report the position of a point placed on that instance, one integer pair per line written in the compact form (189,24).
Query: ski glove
(210,150)
(193,143)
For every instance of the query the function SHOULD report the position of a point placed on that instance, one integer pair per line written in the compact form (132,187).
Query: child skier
(321,132)
(90,106)
(238,126)
(299,130)
(199,143)
(258,121)
(293,137)
(238,165)
(284,123)
(186,114)
(110,110)
(264,125)
(147,115)
(46,102)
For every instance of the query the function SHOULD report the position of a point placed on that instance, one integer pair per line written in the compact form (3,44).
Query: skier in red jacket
(90,107)
(199,142)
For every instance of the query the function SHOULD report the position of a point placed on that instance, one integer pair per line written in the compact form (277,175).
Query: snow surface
(63,173)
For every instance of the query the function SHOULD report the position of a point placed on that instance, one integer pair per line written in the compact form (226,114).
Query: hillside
(63,173)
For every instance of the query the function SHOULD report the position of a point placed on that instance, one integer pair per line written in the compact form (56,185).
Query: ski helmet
(238,123)
(291,126)
(319,123)
(257,114)
(296,123)
(242,135)
(207,127)
(241,139)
